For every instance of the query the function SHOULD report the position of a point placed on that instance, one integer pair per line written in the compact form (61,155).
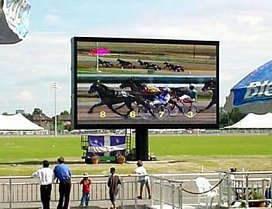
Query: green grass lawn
(20,149)
(22,155)
(211,145)
(16,149)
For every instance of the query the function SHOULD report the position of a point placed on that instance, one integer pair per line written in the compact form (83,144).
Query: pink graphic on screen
(99,51)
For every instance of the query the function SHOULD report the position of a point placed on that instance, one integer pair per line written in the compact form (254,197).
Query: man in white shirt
(46,178)
(143,179)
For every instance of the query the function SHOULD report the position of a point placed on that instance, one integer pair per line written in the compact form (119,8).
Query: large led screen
(153,83)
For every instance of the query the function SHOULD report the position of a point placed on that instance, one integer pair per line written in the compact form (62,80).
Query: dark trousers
(46,195)
(64,193)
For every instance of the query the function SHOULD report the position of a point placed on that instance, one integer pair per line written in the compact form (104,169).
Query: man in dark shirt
(63,174)
(113,183)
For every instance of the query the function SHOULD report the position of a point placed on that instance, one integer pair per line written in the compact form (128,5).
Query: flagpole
(97,58)
(55,86)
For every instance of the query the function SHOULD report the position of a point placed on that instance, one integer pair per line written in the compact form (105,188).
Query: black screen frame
(110,124)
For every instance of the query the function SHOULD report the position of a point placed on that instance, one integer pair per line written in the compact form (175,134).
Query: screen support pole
(141,142)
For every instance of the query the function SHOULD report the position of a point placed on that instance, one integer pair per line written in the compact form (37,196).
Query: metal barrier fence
(174,190)
(166,192)
(246,189)
(24,192)
(178,190)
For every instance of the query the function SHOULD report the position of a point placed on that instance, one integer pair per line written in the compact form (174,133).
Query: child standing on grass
(86,189)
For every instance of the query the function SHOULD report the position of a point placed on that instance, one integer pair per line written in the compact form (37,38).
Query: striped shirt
(45,176)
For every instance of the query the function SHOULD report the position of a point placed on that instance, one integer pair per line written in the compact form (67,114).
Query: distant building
(42,120)
(20,111)
(64,121)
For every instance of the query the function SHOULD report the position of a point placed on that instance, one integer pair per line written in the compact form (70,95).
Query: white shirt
(45,176)
(141,171)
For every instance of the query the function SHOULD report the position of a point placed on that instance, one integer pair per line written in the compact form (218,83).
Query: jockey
(191,96)
(163,98)
(150,89)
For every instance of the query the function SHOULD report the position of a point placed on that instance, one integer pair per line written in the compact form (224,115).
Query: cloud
(24,96)
(247,19)
(28,69)
(52,19)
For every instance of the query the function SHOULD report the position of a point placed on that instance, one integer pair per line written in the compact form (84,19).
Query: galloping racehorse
(125,64)
(104,63)
(110,97)
(138,90)
(176,68)
(148,65)
(133,85)
(144,100)
(210,85)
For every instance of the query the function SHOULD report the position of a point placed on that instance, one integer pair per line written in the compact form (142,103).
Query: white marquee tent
(17,123)
(254,121)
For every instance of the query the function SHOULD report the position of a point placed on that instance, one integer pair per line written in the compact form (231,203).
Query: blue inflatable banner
(257,86)
(254,92)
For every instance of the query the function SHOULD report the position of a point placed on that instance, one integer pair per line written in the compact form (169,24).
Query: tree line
(64,118)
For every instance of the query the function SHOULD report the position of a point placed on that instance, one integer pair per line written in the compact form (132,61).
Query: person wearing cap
(46,178)
(192,92)
(143,179)
(190,96)
(63,174)
(163,98)
(86,189)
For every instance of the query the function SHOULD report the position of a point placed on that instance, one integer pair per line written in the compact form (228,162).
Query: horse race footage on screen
(129,82)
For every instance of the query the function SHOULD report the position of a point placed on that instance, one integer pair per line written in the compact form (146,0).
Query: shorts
(113,197)
(144,182)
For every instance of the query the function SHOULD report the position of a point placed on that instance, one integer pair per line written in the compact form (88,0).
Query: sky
(27,69)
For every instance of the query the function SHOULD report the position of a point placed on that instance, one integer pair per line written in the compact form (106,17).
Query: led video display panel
(153,83)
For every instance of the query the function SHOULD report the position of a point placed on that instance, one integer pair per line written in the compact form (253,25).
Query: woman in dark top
(114,183)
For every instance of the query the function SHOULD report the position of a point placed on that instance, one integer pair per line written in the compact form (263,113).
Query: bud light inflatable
(253,94)
(14,20)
